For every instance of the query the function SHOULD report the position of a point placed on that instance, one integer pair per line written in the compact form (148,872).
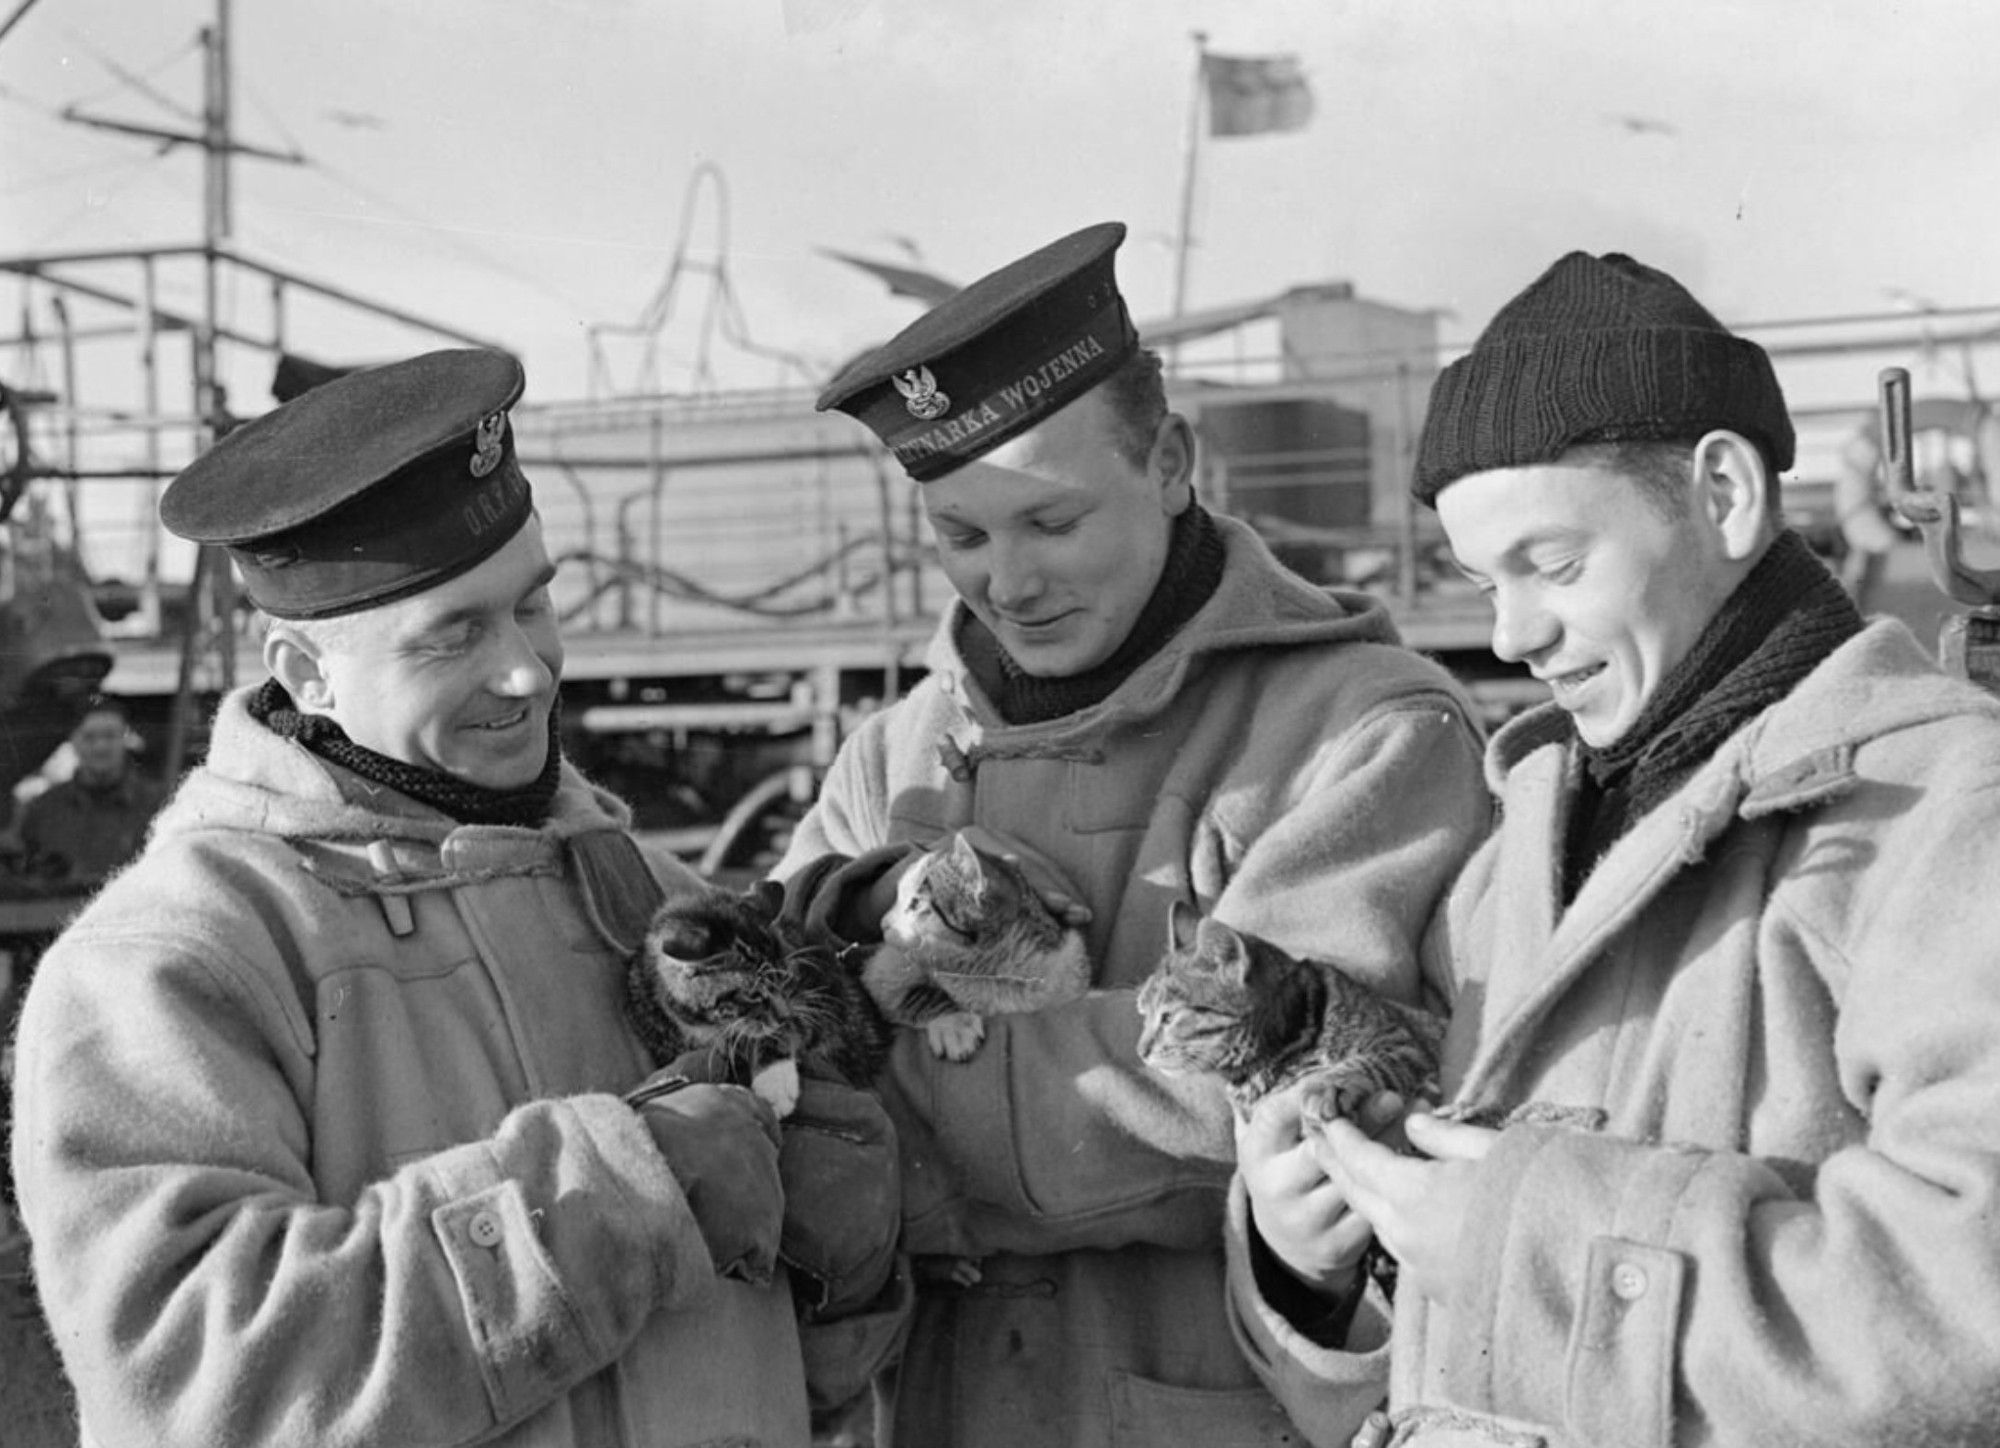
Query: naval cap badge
(920,393)
(486,440)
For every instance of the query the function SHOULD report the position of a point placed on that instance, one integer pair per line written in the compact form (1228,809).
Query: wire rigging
(73,173)
(723,315)
(428,227)
(140,81)
(270,114)
(134,169)
(454,237)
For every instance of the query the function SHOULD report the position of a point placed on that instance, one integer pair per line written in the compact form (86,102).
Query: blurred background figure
(64,842)
(82,829)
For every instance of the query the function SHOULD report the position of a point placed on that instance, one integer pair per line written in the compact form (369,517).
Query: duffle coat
(1283,763)
(318,1142)
(1751,1192)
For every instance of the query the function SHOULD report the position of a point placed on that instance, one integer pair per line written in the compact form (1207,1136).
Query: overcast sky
(521,168)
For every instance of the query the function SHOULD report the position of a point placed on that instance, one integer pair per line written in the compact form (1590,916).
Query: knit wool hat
(1597,349)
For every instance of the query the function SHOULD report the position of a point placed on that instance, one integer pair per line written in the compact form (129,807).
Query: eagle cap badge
(920,393)
(486,443)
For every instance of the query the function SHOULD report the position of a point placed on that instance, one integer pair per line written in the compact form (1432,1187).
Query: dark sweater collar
(1780,624)
(1189,577)
(1781,621)
(460,799)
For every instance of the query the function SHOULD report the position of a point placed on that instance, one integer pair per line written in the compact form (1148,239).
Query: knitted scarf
(462,800)
(1188,579)
(1777,627)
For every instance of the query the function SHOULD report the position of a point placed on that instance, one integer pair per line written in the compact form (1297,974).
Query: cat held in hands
(1227,1002)
(968,937)
(724,972)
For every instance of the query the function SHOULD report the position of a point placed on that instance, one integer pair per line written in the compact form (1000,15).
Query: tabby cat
(721,970)
(968,937)
(1225,1001)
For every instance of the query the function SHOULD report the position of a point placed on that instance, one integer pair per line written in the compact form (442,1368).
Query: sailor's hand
(843,1197)
(844,897)
(1420,1203)
(1301,1213)
(721,1143)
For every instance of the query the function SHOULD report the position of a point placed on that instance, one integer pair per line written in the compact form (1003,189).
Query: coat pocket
(1145,1414)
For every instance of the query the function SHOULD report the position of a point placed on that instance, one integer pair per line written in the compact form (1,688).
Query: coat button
(485,1229)
(1628,1280)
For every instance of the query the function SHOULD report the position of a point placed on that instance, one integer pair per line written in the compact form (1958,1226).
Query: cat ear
(1183,922)
(965,855)
(975,878)
(1224,946)
(767,898)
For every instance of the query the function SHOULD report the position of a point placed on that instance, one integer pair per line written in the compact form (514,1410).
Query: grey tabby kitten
(726,972)
(968,938)
(1224,1001)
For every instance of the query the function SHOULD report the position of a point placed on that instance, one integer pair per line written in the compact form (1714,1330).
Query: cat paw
(956,1036)
(778,1083)
(1333,1100)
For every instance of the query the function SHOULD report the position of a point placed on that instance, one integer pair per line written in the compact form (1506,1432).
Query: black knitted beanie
(1597,349)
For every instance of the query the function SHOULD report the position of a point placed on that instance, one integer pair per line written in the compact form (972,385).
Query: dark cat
(968,937)
(1224,1001)
(721,970)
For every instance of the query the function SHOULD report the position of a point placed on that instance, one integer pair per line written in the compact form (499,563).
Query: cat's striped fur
(725,972)
(967,938)
(1227,1002)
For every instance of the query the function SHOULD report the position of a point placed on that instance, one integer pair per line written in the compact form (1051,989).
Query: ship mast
(217,212)
(212,588)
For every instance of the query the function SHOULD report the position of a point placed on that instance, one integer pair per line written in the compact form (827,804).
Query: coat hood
(1878,682)
(255,780)
(1258,604)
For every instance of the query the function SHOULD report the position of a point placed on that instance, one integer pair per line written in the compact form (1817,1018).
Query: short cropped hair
(1137,396)
(1660,471)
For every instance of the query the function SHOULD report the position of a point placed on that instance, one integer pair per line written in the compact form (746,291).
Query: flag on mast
(1249,95)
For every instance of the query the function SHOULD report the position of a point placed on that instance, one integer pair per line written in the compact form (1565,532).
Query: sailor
(320,1136)
(1130,693)
(1721,1163)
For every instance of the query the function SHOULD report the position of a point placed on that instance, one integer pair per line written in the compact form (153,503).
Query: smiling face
(1056,538)
(459,678)
(1593,586)
(100,741)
